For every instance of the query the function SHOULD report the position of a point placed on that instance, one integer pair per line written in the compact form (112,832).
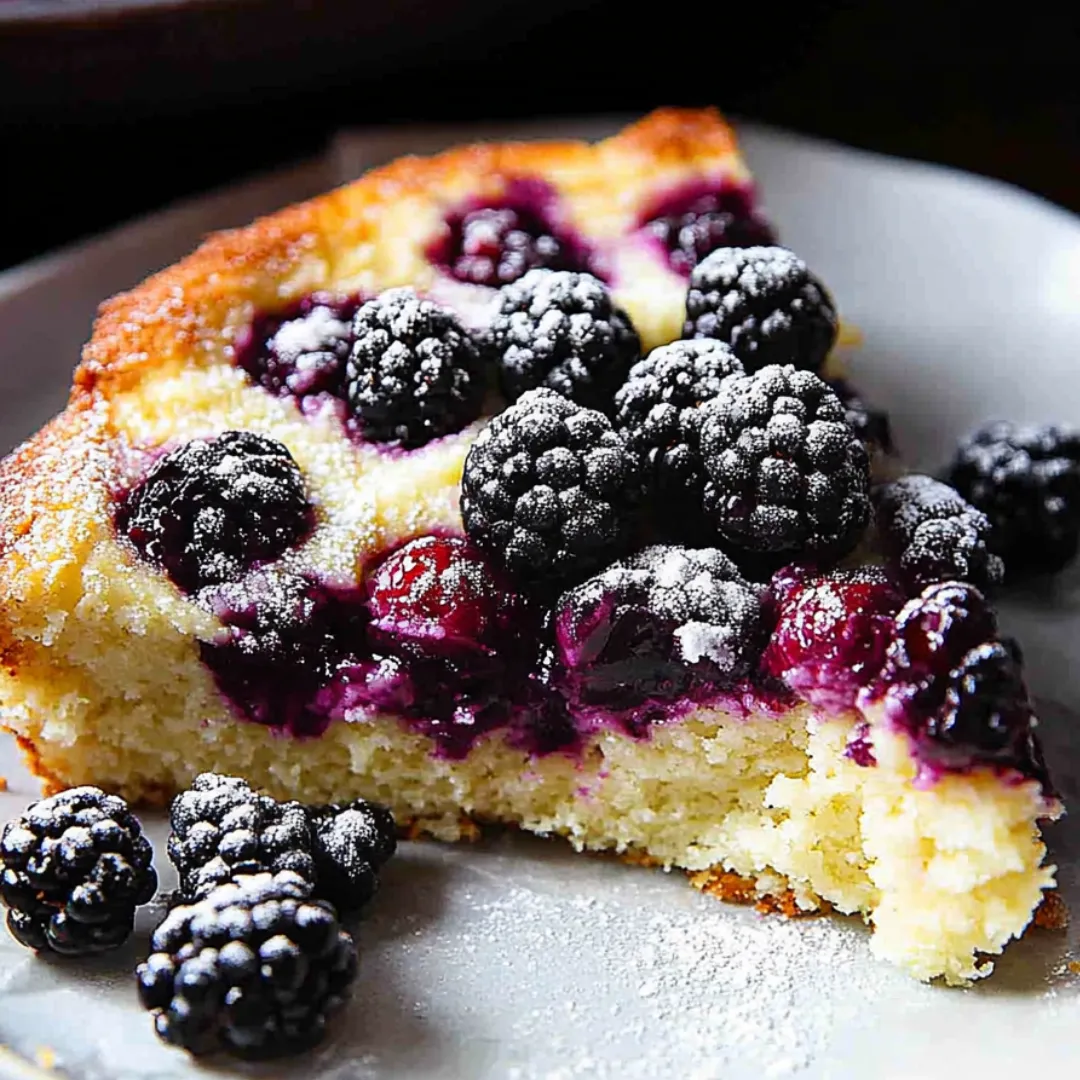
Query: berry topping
(549,490)
(73,869)
(654,625)
(765,304)
(832,632)
(955,688)
(562,330)
(437,594)
(209,510)
(284,637)
(785,472)
(301,356)
(414,373)
(658,408)
(692,224)
(870,424)
(255,968)
(496,244)
(932,534)
(221,828)
(1026,480)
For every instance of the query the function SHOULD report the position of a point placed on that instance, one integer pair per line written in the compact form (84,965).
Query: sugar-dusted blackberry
(210,509)
(562,330)
(351,842)
(256,968)
(550,489)
(221,828)
(870,424)
(765,304)
(785,472)
(658,408)
(73,869)
(654,625)
(932,534)
(1026,480)
(414,373)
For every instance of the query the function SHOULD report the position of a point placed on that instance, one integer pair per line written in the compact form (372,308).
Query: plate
(516,958)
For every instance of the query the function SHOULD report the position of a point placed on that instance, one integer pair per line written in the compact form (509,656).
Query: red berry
(437,593)
(832,632)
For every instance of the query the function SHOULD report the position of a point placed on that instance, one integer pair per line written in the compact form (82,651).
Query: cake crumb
(45,1056)
(1053,912)
(3,783)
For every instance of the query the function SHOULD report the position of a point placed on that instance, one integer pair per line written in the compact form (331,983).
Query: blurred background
(110,108)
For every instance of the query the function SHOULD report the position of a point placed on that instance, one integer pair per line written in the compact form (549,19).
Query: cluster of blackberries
(251,958)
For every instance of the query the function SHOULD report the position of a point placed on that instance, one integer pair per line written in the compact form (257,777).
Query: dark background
(103,118)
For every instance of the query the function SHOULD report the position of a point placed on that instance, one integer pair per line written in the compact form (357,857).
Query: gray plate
(516,958)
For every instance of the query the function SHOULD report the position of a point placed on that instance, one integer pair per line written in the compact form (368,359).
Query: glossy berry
(351,842)
(658,408)
(785,473)
(437,594)
(73,869)
(765,304)
(256,969)
(284,637)
(932,534)
(693,224)
(1026,480)
(302,355)
(832,632)
(549,490)
(871,425)
(562,330)
(655,624)
(414,373)
(212,508)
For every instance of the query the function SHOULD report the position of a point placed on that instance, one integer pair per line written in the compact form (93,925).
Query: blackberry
(1026,480)
(561,330)
(765,304)
(303,355)
(414,374)
(255,968)
(932,534)
(549,490)
(651,627)
(785,472)
(222,829)
(694,224)
(658,408)
(209,510)
(73,869)
(870,424)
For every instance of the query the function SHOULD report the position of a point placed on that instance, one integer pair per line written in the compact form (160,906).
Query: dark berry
(932,534)
(256,968)
(692,224)
(414,373)
(303,355)
(284,637)
(549,490)
(658,408)
(351,842)
(1026,480)
(562,330)
(765,304)
(212,508)
(870,424)
(73,869)
(832,632)
(221,828)
(785,472)
(438,594)
(654,625)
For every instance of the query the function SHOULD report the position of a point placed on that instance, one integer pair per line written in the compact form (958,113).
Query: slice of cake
(516,485)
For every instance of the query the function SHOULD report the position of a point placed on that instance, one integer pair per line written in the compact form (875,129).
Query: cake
(638,589)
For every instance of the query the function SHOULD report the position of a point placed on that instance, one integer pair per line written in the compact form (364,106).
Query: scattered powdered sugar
(309,334)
